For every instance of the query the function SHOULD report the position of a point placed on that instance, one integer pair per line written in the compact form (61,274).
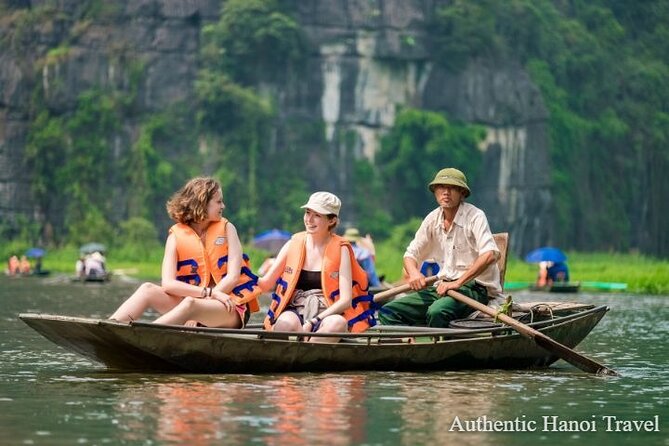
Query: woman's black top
(309,280)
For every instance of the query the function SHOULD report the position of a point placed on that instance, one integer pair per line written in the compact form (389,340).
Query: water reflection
(49,396)
(181,412)
(308,410)
(278,410)
(433,402)
(192,413)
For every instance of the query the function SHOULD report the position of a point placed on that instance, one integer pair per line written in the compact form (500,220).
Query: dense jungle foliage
(601,66)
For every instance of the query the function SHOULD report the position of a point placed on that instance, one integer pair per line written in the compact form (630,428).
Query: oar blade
(572,357)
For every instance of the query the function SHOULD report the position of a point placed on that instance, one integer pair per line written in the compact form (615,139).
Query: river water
(49,396)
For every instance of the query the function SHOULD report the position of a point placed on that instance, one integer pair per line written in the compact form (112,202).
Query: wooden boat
(148,346)
(599,286)
(92,278)
(41,273)
(559,287)
(480,344)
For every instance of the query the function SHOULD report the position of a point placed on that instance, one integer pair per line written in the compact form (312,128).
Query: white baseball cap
(324,203)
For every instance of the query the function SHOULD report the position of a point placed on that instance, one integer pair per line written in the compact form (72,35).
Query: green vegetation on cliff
(603,70)
(601,67)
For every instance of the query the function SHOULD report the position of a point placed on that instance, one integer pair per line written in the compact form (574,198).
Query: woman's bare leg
(331,324)
(288,321)
(209,312)
(148,295)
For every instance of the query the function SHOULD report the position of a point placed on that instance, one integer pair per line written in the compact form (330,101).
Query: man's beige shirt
(456,250)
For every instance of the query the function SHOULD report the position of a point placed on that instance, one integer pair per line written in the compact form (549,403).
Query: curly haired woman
(204,278)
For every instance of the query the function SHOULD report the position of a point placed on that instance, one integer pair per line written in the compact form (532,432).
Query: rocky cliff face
(374,56)
(54,46)
(369,57)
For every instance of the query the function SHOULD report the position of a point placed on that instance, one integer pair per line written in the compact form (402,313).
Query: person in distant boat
(552,272)
(318,285)
(13,265)
(24,266)
(457,235)
(38,266)
(79,266)
(94,265)
(206,280)
(363,254)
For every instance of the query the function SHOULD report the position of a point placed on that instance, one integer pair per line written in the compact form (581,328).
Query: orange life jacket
(197,262)
(360,316)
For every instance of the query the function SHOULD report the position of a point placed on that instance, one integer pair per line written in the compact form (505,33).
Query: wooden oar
(385,295)
(584,363)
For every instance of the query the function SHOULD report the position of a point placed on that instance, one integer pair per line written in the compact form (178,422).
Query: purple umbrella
(271,240)
(35,253)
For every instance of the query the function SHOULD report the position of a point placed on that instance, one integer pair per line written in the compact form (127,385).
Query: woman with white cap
(316,279)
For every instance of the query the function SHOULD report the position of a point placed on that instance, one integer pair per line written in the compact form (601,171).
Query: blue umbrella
(271,240)
(546,254)
(35,253)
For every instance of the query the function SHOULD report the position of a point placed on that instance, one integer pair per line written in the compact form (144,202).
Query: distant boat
(100,278)
(559,287)
(37,254)
(600,286)
(41,273)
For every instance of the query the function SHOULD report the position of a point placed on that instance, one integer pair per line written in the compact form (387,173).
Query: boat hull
(147,346)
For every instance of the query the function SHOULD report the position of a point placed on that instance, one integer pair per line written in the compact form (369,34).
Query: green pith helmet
(451,177)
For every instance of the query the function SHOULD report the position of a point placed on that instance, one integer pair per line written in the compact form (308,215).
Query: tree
(253,41)
(419,144)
